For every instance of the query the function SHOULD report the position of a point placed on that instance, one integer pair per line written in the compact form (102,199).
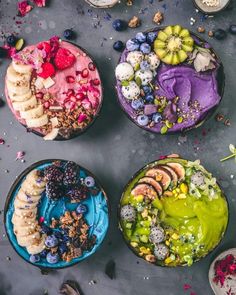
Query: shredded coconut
(211,3)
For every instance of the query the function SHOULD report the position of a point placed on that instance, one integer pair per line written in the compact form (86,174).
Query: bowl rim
(211,12)
(152,163)
(14,186)
(221,88)
(79,132)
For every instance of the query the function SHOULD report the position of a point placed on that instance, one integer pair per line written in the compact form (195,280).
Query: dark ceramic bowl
(93,203)
(79,132)
(220,81)
(149,165)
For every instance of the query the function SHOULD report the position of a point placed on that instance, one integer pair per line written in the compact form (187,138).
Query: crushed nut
(210,34)
(129,2)
(219,117)
(227,122)
(134,22)
(201,29)
(150,258)
(158,18)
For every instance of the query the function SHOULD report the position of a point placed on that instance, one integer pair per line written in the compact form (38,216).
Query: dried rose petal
(187,287)
(20,155)
(2,141)
(40,3)
(24,7)
(82,118)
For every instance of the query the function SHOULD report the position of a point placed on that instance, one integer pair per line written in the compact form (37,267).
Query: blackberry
(53,173)
(54,191)
(71,174)
(78,193)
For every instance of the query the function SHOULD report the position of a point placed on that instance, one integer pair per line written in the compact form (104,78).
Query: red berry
(48,70)
(85,73)
(64,59)
(91,66)
(70,92)
(70,79)
(73,98)
(96,82)
(78,73)
(44,46)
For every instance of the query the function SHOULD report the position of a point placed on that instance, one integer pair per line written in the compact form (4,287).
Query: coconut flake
(52,135)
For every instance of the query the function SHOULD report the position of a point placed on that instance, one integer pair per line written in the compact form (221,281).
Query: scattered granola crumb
(158,18)
(227,122)
(129,2)
(219,117)
(201,29)
(210,34)
(134,22)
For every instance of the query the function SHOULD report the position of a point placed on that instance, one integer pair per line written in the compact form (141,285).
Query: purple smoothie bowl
(193,89)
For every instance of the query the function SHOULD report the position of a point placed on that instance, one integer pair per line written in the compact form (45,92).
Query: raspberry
(78,194)
(54,191)
(53,173)
(64,59)
(48,70)
(45,46)
(71,173)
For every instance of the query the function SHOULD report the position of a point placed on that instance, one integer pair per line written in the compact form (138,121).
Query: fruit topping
(81,209)
(64,59)
(124,71)
(45,46)
(53,190)
(161,251)
(232,29)
(157,235)
(132,45)
(85,73)
(144,77)
(34,258)
(198,179)
(145,48)
(154,183)
(179,170)
(174,176)
(135,58)
(220,34)
(53,173)
(70,79)
(52,258)
(118,45)
(172,44)
(71,174)
(78,193)
(119,25)
(47,70)
(51,241)
(89,181)
(145,190)
(143,120)
(69,34)
(131,91)
(141,37)
(128,213)
(160,174)
(11,40)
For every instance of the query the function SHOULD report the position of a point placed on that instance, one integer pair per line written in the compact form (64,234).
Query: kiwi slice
(172,44)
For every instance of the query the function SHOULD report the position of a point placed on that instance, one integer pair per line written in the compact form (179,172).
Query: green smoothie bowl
(173,212)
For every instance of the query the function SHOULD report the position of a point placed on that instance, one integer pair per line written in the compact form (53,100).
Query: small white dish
(102,3)
(230,282)
(211,9)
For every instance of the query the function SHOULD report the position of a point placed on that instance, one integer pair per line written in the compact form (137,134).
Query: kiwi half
(172,44)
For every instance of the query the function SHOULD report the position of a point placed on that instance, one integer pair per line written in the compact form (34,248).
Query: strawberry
(48,70)
(64,59)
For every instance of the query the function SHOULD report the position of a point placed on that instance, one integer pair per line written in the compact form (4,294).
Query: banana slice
(26,241)
(36,178)
(21,195)
(31,189)
(19,98)
(20,88)
(33,113)
(38,122)
(21,68)
(30,213)
(26,105)
(37,247)
(24,221)
(15,77)
(24,205)
(20,230)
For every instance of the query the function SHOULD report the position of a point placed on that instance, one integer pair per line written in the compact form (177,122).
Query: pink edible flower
(11,51)
(24,7)
(20,155)
(187,287)
(41,219)
(40,3)
(81,118)
(162,157)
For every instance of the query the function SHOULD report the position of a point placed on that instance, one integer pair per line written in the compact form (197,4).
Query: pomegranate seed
(80,96)
(73,98)
(91,66)
(39,95)
(85,73)
(86,104)
(70,79)
(81,118)
(95,82)
(41,219)
(70,92)
(46,105)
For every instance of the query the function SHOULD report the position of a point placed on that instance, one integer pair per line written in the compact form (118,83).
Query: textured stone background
(114,148)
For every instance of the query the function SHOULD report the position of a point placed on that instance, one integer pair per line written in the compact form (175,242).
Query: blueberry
(51,241)
(147,89)
(149,98)
(52,258)
(142,120)
(44,253)
(81,209)
(145,48)
(119,25)
(34,258)
(118,45)
(58,235)
(141,37)
(220,34)
(151,37)
(69,34)
(232,29)
(3,52)
(45,229)
(144,65)
(89,181)
(65,238)
(137,104)
(157,117)
(11,40)
(132,45)
(62,248)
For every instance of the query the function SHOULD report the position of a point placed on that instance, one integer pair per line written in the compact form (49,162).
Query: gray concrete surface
(114,148)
